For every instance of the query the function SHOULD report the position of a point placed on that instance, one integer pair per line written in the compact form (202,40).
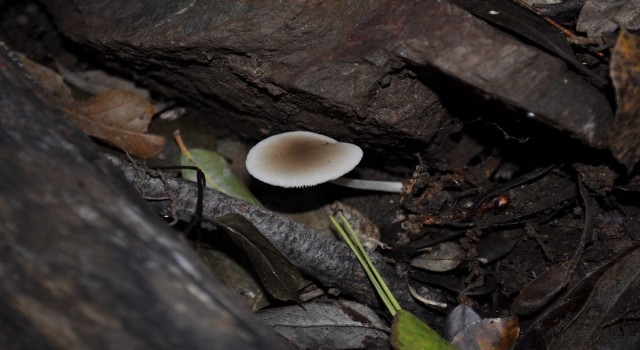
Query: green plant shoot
(407,331)
(353,242)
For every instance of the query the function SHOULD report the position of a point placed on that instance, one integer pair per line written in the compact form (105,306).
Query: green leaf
(409,332)
(217,173)
(280,278)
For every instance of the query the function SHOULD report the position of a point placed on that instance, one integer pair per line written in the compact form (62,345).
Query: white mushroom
(303,158)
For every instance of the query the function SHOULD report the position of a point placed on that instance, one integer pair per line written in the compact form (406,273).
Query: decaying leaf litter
(528,229)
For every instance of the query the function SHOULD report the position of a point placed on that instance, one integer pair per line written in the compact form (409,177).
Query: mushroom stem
(383,186)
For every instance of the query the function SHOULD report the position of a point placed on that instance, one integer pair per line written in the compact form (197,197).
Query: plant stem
(383,186)
(383,291)
(356,239)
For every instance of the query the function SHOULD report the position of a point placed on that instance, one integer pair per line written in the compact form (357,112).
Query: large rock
(85,264)
(362,70)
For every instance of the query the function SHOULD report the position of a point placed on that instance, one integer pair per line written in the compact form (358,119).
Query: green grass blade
(376,284)
(377,276)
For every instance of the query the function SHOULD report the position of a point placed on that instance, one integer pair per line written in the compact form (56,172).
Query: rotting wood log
(84,263)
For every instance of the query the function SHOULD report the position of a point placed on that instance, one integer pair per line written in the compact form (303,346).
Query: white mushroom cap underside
(301,159)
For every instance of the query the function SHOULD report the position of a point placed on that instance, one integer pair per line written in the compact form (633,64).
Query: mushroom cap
(301,159)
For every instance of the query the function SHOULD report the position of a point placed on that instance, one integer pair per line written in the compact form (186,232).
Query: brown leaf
(461,317)
(543,289)
(489,334)
(571,306)
(496,245)
(117,117)
(120,118)
(612,298)
(625,74)
(236,277)
(328,325)
(51,82)
(444,256)
(280,278)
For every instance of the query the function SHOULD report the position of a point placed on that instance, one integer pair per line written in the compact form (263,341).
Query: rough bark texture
(329,261)
(84,263)
(343,69)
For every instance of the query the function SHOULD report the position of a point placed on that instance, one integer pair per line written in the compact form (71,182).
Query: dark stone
(85,264)
(346,70)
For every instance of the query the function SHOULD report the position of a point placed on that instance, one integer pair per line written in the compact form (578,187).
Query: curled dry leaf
(610,301)
(489,334)
(543,289)
(120,118)
(51,82)
(97,81)
(496,245)
(234,276)
(468,331)
(280,277)
(445,256)
(461,317)
(572,319)
(429,296)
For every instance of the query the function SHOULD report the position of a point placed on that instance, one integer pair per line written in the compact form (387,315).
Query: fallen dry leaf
(625,74)
(280,278)
(97,81)
(461,317)
(489,334)
(120,118)
(573,318)
(51,82)
(329,325)
(442,257)
(610,302)
(599,17)
(543,289)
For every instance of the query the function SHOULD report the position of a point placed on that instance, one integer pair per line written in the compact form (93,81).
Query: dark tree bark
(83,262)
